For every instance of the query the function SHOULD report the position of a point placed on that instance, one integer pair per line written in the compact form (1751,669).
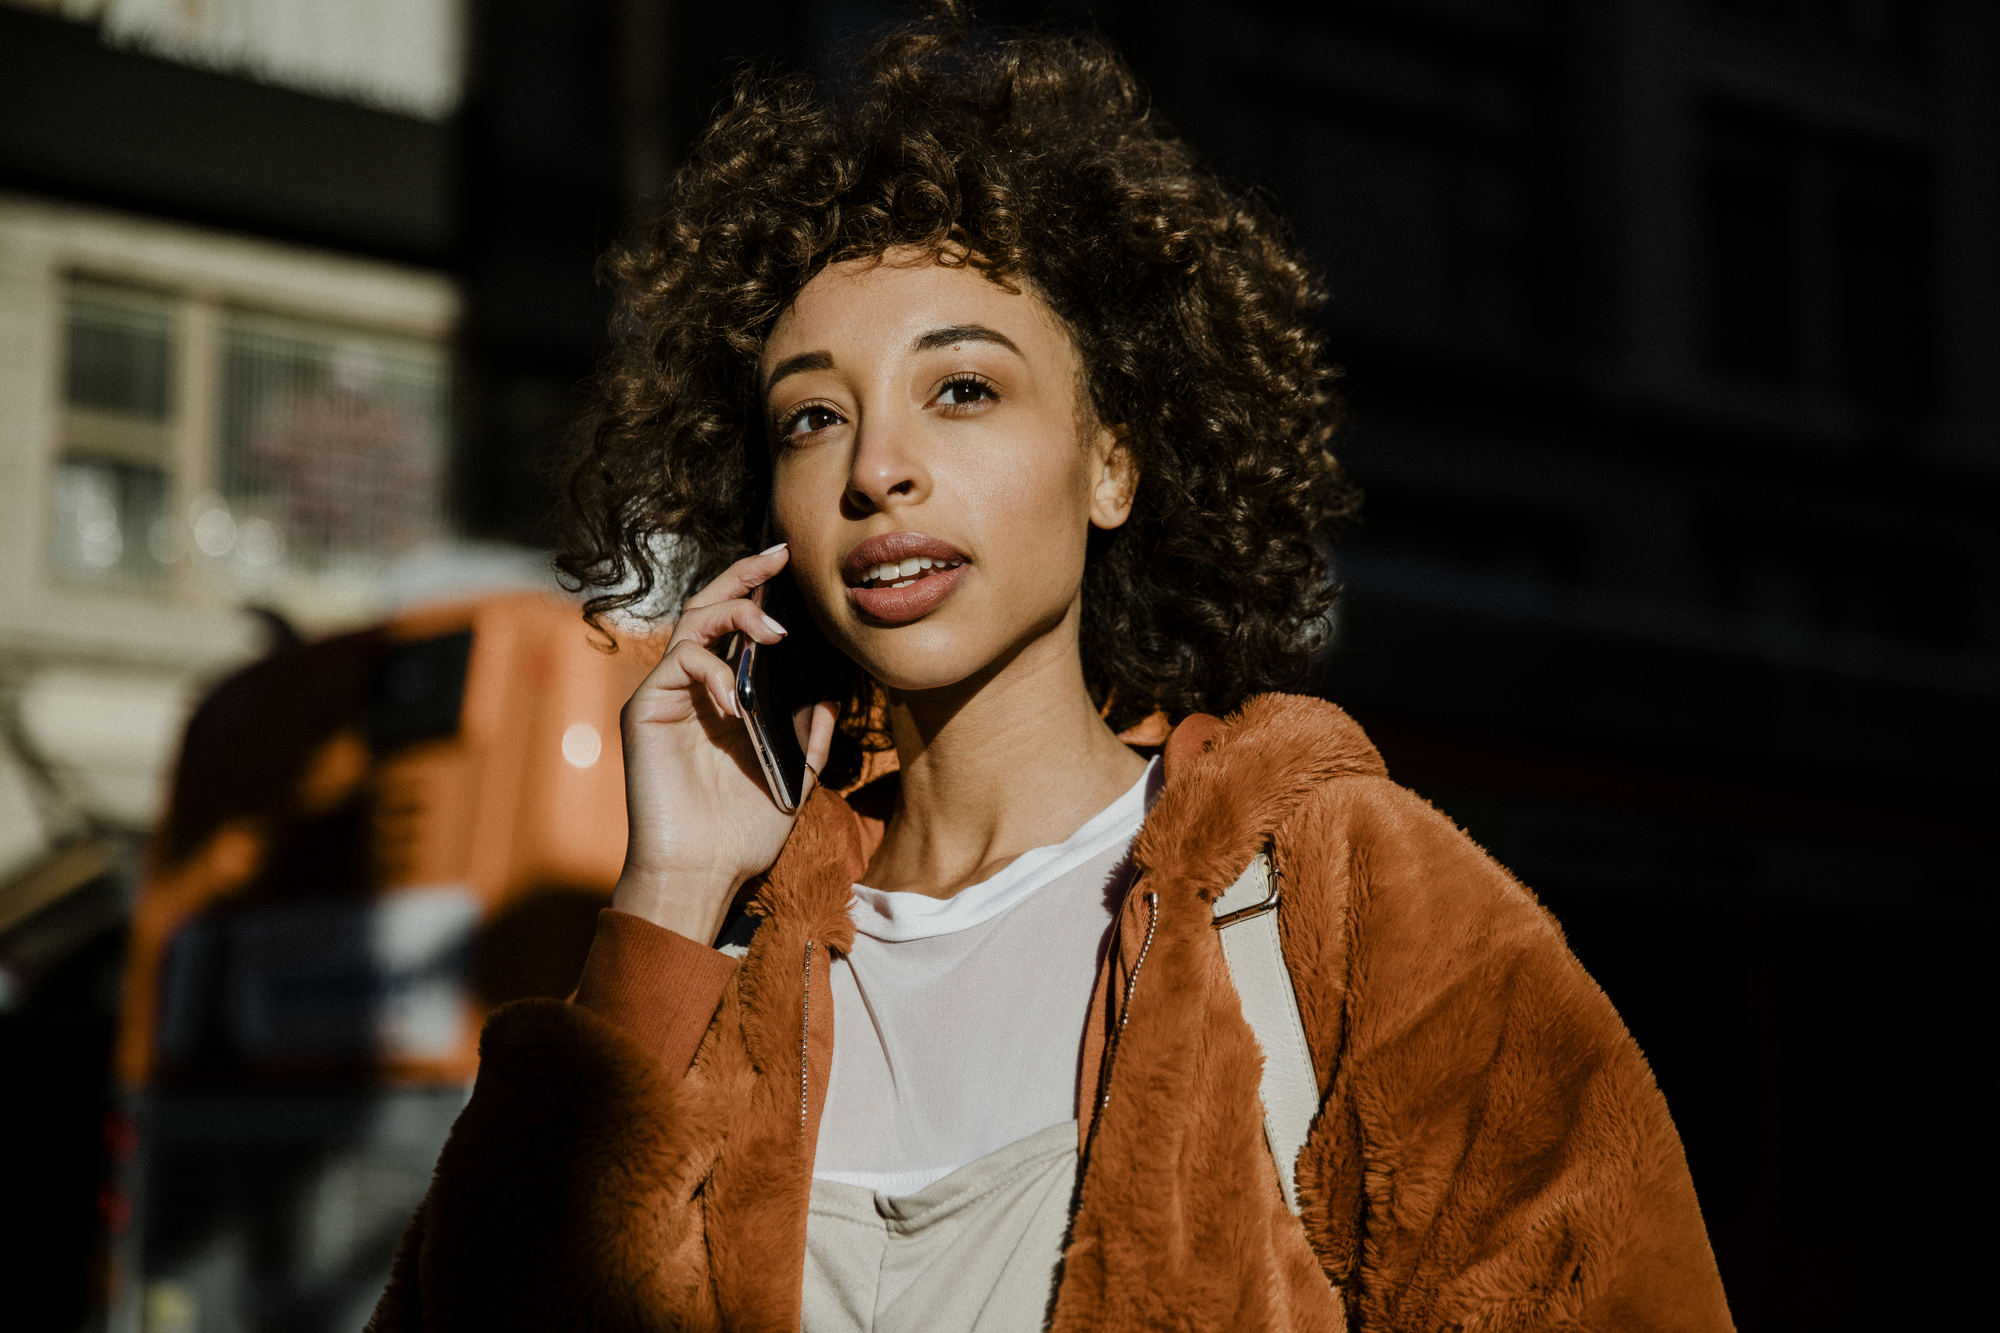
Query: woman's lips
(896,606)
(873,561)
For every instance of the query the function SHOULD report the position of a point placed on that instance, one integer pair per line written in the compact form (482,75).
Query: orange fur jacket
(1491,1152)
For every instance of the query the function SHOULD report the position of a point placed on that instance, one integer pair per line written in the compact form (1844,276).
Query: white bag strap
(1247,919)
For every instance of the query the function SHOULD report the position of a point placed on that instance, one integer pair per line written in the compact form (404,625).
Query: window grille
(333,440)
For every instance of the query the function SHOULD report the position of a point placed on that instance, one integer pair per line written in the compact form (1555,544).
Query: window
(332,451)
(1372,206)
(1409,146)
(111,475)
(1816,258)
(1423,228)
(311,452)
(1749,225)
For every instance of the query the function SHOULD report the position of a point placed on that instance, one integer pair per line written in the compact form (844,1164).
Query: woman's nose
(886,469)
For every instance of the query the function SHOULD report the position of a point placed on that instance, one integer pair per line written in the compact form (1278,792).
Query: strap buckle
(1269,903)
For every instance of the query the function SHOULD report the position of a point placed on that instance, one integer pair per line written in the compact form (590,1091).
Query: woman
(1035,413)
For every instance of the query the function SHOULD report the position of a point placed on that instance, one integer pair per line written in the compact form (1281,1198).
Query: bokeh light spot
(581,745)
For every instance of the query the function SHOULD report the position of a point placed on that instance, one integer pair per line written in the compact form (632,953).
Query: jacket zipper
(1125,1009)
(805,1036)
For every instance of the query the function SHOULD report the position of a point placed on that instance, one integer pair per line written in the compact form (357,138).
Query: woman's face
(933,467)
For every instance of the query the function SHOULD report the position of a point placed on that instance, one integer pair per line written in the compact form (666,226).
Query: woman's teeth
(902,573)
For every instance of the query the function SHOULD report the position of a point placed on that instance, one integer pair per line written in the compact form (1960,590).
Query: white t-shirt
(958,1022)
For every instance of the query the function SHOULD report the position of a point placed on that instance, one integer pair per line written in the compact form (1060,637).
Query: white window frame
(184,619)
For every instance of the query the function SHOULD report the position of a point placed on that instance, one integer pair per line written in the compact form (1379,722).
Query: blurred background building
(1672,330)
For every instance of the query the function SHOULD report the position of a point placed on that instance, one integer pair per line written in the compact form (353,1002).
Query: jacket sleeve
(1493,1152)
(658,987)
(548,1083)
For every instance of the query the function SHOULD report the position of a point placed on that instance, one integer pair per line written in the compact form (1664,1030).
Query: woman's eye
(964,393)
(806,420)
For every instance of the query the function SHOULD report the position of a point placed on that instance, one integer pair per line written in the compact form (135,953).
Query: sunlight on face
(930,467)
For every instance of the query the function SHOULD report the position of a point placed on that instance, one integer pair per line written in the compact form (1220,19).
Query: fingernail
(776,628)
(770,550)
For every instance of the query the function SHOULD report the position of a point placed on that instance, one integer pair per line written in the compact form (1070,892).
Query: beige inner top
(975,1251)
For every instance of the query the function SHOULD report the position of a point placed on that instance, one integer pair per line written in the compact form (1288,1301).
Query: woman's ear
(1114,479)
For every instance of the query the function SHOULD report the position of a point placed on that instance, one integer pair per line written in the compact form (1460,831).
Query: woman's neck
(1012,759)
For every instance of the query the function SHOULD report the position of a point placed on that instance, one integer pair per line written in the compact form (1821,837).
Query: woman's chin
(963,645)
(905,677)
(922,659)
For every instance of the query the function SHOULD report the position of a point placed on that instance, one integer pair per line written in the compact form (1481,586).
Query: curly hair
(1032,158)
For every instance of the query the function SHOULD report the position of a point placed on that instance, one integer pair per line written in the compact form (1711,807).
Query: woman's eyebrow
(963,333)
(796,365)
(926,342)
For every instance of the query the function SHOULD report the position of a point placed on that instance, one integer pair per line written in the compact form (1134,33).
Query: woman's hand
(701,820)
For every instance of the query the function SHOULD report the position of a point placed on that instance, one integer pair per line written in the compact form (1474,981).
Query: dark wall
(543,146)
(1676,578)
(79,120)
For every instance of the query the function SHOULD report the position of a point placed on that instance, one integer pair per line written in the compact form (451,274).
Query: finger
(751,572)
(688,666)
(819,742)
(716,676)
(705,625)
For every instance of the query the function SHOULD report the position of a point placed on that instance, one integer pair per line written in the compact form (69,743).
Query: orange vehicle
(372,841)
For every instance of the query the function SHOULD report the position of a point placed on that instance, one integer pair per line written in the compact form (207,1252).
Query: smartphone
(773,699)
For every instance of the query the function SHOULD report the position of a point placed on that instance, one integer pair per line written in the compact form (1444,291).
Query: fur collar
(1230,784)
